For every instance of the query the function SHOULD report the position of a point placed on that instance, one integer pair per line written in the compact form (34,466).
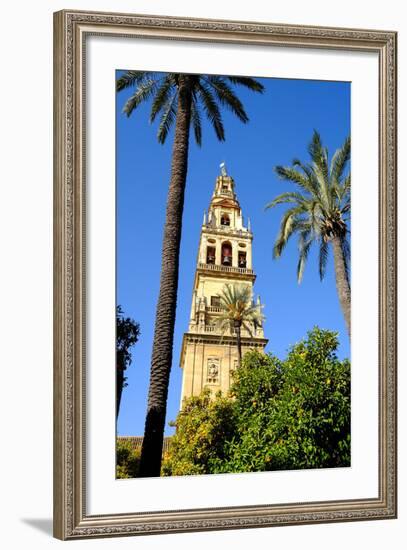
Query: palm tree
(238,310)
(319,213)
(179,100)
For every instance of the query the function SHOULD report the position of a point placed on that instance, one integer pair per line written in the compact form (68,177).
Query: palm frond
(325,162)
(308,171)
(144,90)
(247,327)
(131,78)
(290,222)
(319,157)
(347,184)
(223,324)
(304,245)
(250,83)
(338,165)
(289,197)
(324,188)
(227,295)
(344,190)
(162,96)
(318,153)
(311,218)
(315,146)
(340,160)
(211,109)
(169,113)
(236,305)
(226,96)
(288,173)
(346,207)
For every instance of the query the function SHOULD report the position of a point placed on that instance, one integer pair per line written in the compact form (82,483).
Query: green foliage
(302,419)
(280,415)
(207,94)
(127,460)
(203,426)
(318,210)
(237,308)
(127,334)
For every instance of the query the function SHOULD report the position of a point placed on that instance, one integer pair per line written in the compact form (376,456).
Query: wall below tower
(210,364)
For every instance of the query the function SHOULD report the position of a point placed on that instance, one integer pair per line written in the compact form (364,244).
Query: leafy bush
(203,426)
(280,415)
(127,459)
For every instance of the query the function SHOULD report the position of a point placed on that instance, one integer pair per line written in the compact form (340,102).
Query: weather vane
(223,168)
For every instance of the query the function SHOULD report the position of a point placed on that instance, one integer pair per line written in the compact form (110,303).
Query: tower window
(215,301)
(210,255)
(226,254)
(242,259)
(225,220)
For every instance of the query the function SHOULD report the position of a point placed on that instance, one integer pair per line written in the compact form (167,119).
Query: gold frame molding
(70,31)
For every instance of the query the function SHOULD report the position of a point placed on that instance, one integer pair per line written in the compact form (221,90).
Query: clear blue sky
(281,124)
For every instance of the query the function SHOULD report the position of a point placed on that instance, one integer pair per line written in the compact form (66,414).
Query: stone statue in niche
(212,376)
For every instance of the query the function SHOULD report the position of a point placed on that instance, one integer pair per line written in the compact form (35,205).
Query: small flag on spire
(223,169)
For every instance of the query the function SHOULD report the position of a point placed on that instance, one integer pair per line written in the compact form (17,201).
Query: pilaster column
(234,254)
(218,247)
(193,307)
(249,256)
(202,251)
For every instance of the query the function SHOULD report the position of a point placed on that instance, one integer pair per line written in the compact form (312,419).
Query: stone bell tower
(225,256)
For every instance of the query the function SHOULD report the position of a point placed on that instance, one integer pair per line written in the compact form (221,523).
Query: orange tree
(291,414)
(127,459)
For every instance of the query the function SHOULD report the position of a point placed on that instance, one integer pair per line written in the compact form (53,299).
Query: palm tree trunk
(239,345)
(342,281)
(161,360)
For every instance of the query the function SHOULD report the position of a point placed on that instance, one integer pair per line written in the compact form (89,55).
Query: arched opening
(242,259)
(225,220)
(210,255)
(226,253)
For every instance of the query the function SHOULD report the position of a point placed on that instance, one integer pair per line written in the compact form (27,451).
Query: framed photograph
(225,274)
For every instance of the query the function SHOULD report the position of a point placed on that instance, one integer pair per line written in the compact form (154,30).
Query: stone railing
(215,330)
(214,309)
(226,269)
(222,229)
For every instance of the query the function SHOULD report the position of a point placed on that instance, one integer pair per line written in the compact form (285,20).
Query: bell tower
(208,358)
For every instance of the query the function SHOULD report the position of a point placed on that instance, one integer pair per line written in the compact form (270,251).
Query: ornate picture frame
(72,29)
